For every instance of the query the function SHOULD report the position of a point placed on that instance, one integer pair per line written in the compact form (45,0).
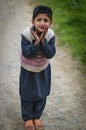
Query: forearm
(49,48)
(29,50)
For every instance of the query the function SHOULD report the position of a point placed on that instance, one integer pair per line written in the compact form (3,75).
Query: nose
(42,22)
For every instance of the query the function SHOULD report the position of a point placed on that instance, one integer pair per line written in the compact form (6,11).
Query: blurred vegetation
(69,18)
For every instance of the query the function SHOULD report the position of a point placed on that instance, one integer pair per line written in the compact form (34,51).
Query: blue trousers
(32,109)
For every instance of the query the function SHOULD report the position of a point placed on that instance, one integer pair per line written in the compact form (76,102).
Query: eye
(39,19)
(46,20)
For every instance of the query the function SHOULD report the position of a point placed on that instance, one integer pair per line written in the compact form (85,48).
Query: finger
(36,37)
(42,36)
(45,29)
(33,33)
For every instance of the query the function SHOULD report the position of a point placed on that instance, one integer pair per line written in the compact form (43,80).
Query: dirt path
(66,107)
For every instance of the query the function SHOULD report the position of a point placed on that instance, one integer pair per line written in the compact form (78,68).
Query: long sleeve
(28,49)
(49,49)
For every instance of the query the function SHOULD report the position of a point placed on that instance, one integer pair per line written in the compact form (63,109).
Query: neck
(39,33)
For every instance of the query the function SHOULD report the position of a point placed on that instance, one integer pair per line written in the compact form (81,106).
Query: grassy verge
(69,23)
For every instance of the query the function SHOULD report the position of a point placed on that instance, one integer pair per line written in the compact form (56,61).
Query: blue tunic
(36,85)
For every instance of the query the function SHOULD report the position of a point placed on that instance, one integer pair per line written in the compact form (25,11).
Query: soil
(66,106)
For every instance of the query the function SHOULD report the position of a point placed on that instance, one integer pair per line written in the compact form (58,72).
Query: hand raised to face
(36,37)
(45,29)
(41,37)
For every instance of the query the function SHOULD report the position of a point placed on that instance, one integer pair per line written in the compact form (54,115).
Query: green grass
(69,24)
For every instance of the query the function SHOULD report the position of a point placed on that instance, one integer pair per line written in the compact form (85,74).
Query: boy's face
(41,22)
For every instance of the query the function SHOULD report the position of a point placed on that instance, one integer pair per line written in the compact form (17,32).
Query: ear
(50,23)
(32,21)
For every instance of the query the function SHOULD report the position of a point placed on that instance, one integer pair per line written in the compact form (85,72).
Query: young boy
(38,46)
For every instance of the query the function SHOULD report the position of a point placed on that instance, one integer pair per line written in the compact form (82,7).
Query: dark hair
(42,10)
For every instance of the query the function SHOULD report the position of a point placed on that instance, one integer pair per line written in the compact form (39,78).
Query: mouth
(42,28)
